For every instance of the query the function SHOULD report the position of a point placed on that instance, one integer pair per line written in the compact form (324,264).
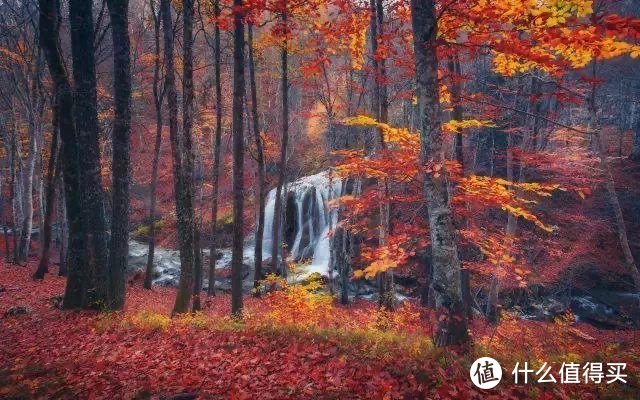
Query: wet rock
(290,220)
(545,310)
(556,308)
(56,301)
(624,303)
(311,224)
(167,280)
(590,310)
(223,286)
(16,310)
(180,396)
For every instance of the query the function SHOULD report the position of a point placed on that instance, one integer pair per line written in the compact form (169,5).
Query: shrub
(150,321)
(143,230)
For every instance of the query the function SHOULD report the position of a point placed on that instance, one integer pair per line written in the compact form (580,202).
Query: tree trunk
(49,38)
(215,179)
(617,211)
(52,174)
(197,270)
(158,96)
(380,110)
(96,282)
(258,275)
(282,164)
(119,245)
(458,111)
(34,107)
(238,159)
(188,155)
(27,201)
(609,183)
(458,114)
(64,230)
(635,152)
(451,328)
(4,221)
(182,200)
(13,162)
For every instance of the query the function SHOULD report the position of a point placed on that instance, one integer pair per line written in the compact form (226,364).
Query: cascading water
(308,220)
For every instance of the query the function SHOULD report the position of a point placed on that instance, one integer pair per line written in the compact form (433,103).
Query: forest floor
(291,344)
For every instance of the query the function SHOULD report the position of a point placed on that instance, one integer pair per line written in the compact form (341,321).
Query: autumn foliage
(324,351)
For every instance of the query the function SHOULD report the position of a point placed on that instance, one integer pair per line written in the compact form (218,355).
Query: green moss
(225,219)
(143,230)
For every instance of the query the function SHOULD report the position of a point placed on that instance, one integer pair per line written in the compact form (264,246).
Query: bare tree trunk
(119,245)
(96,282)
(458,114)
(4,220)
(451,328)
(635,153)
(158,96)
(238,159)
(52,174)
(258,275)
(380,109)
(40,188)
(185,233)
(75,295)
(64,230)
(282,164)
(34,113)
(458,111)
(188,153)
(215,179)
(27,218)
(13,174)
(609,183)
(492,311)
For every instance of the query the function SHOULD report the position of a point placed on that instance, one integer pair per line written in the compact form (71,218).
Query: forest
(319,199)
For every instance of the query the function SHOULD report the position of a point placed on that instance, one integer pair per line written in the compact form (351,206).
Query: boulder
(590,310)
(16,310)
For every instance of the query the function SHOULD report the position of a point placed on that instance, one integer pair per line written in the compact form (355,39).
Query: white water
(313,225)
(311,242)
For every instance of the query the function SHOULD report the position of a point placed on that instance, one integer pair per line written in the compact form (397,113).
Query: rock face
(166,264)
(608,309)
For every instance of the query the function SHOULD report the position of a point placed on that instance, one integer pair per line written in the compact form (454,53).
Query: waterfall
(308,220)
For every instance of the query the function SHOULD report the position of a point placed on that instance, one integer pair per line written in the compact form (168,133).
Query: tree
(53,172)
(635,153)
(238,158)
(119,245)
(158,95)
(182,199)
(96,282)
(217,143)
(23,95)
(261,192)
(28,174)
(621,229)
(451,328)
(188,155)
(276,246)
(62,92)
(381,113)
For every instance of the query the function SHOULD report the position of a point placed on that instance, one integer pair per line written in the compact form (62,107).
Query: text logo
(485,373)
